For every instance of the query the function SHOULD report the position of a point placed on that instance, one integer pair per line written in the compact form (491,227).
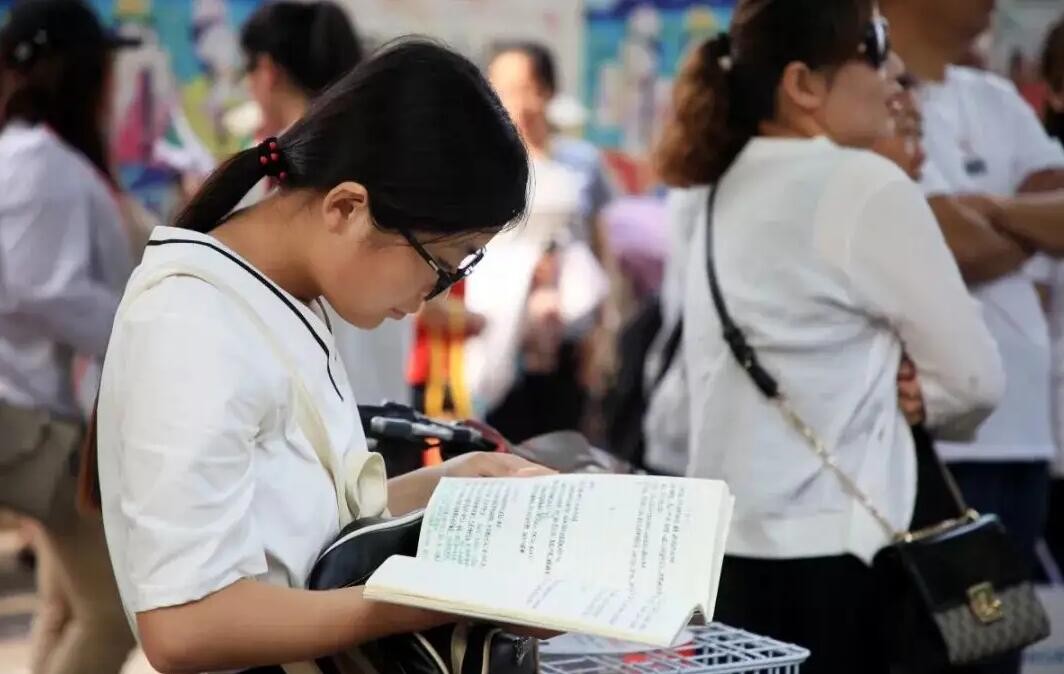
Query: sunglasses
(445,277)
(875,47)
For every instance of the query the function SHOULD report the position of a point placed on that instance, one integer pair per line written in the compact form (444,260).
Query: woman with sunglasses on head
(213,491)
(830,262)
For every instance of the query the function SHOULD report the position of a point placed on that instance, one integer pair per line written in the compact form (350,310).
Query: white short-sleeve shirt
(982,137)
(206,476)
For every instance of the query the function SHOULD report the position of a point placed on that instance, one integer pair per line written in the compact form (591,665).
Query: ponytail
(222,192)
(728,86)
(703,138)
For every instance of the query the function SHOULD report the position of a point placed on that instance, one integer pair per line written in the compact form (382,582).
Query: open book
(620,556)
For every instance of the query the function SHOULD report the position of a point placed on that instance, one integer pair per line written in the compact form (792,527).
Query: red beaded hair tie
(272,160)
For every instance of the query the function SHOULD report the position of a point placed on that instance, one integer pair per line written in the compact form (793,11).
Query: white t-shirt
(64,259)
(500,286)
(830,260)
(1052,275)
(982,137)
(206,475)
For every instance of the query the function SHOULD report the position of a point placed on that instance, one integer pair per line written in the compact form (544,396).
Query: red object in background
(625,170)
(417,372)
(682,653)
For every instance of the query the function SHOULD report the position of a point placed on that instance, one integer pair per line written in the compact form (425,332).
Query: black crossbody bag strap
(769,386)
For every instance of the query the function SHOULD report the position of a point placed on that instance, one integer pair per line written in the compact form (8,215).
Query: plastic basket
(716,649)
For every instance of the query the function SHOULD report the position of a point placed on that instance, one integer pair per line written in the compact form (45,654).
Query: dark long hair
(314,43)
(63,89)
(728,85)
(418,126)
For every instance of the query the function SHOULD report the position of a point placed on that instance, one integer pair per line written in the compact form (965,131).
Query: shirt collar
(293,319)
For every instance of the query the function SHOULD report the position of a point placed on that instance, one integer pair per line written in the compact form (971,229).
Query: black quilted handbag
(462,648)
(955,592)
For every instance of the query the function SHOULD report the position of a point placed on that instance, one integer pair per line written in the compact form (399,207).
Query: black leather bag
(461,648)
(955,592)
(957,584)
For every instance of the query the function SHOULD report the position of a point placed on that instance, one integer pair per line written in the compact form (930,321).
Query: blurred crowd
(887,228)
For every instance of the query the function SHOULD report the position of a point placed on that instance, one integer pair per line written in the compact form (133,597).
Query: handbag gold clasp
(986,606)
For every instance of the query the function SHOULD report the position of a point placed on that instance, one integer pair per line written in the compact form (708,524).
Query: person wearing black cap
(64,259)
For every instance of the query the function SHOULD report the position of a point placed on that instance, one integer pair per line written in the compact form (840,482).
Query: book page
(647,535)
(548,603)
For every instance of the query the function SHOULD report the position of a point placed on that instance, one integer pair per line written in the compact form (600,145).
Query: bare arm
(411,491)
(251,624)
(1036,215)
(982,253)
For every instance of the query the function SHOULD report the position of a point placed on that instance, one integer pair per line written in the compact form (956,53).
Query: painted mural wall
(174,93)
(632,51)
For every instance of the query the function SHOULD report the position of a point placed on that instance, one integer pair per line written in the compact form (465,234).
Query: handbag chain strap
(768,385)
(829,461)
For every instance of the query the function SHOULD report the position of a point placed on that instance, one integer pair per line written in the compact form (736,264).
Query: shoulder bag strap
(746,357)
(668,352)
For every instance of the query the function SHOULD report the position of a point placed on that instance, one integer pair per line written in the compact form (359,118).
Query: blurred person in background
(294,50)
(1053,74)
(525,75)
(809,227)
(64,259)
(541,287)
(995,181)
(904,146)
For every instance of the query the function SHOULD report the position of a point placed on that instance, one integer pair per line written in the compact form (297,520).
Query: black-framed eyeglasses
(875,47)
(445,277)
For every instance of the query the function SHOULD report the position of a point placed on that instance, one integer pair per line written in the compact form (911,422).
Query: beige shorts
(37,454)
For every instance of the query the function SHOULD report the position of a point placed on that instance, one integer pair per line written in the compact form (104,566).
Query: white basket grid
(716,649)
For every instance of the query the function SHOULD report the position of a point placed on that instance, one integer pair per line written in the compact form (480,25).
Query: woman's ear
(343,205)
(801,88)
